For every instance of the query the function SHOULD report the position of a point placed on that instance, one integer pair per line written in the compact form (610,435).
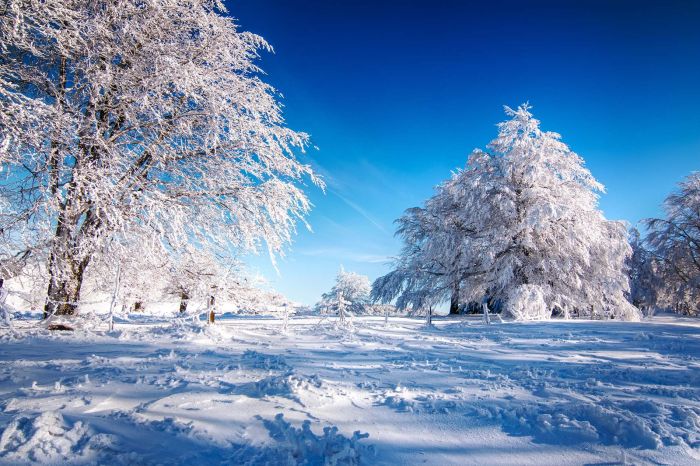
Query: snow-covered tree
(27,290)
(642,269)
(131,270)
(350,294)
(196,276)
(147,113)
(519,225)
(250,295)
(17,245)
(674,242)
(550,237)
(442,241)
(136,274)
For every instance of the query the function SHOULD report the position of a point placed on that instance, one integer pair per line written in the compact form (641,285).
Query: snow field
(244,392)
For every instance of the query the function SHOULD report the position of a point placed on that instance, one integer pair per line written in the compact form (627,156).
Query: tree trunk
(454,299)
(76,220)
(64,280)
(64,293)
(65,268)
(184,298)
(487,319)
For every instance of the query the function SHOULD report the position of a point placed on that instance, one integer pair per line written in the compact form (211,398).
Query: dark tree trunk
(64,292)
(454,299)
(65,273)
(184,298)
(77,219)
(66,268)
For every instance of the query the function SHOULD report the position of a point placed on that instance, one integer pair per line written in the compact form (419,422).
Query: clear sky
(396,94)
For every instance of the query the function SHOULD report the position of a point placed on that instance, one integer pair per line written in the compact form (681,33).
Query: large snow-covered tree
(674,242)
(519,225)
(146,113)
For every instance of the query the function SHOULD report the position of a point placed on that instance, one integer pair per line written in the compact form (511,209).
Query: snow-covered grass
(460,392)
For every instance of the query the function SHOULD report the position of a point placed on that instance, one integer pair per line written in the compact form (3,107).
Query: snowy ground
(243,392)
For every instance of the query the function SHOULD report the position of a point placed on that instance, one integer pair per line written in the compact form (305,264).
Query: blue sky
(396,94)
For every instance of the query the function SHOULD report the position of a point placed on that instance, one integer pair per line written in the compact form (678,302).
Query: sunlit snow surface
(244,392)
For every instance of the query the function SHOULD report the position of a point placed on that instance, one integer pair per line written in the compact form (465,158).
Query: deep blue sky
(396,94)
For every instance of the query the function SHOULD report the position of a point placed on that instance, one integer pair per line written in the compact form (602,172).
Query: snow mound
(178,329)
(398,403)
(288,385)
(49,438)
(268,362)
(579,422)
(427,404)
(302,446)
(687,421)
(168,425)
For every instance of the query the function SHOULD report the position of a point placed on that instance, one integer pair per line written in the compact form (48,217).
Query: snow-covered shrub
(383,310)
(625,311)
(526,302)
